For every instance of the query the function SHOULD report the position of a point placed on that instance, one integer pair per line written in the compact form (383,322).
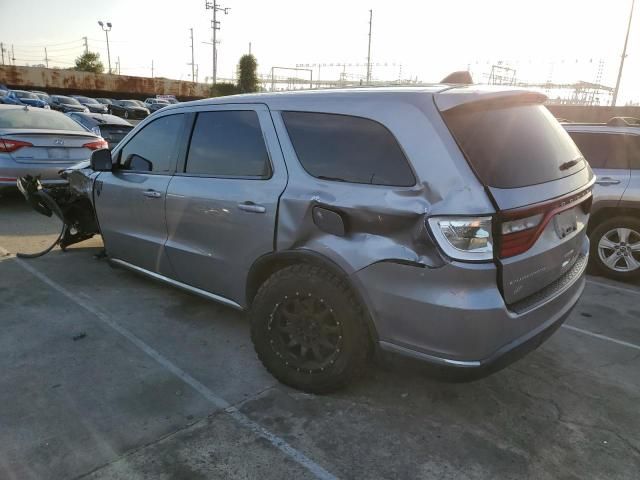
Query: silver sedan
(40,143)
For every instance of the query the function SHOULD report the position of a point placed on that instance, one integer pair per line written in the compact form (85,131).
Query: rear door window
(603,150)
(633,149)
(228,144)
(346,148)
(514,145)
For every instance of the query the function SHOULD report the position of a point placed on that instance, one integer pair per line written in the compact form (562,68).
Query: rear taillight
(464,238)
(7,145)
(520,229)
(97,145)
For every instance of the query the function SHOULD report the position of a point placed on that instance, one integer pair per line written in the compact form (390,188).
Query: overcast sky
(559,40)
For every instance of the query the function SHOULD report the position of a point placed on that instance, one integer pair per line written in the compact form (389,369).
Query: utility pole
(118,65)
(369,48)
(46,57)
(2,51)
(249,48)
(215,26)
(152,68)
(13,56)
(624,54)
(193,77)
(86,44)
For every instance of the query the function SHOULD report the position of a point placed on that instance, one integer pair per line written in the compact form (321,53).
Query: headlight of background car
(46,106)
(86,110)
(464,238)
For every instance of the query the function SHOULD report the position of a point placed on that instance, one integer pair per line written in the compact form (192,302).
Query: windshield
(37,119)
(87,100)
(68,100)
(514,146)
(128,103)
(26,95)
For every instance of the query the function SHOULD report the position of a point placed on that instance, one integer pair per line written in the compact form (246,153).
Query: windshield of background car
(37,119)
(68,100)
(128,103)
(30,95)
(511,146)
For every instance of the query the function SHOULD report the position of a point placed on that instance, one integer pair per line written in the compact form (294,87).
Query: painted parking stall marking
(220,403)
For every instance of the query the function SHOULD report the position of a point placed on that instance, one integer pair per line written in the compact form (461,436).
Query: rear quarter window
(513,146)
(347,148)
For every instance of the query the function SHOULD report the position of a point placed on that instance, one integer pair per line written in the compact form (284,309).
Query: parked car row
(129,109)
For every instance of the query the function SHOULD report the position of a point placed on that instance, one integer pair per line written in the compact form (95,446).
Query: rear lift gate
(535,176)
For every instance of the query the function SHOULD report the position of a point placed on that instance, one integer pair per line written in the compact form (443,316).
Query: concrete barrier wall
(582,113)
(62,81)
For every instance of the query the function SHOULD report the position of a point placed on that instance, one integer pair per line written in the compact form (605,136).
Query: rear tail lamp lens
(8,145)
(464,238)
(97,145)
(515,226)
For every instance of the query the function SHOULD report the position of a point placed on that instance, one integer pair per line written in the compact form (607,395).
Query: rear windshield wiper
(333,179)
(570,163)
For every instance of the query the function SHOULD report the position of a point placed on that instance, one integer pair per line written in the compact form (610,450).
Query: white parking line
(297,456)
(614,287)
(602,337)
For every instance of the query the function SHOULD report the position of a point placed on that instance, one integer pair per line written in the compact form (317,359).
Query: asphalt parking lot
(107,375)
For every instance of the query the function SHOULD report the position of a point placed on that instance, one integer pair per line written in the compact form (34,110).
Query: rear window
(603,150)
(348,149)
(514,146)
(37,119)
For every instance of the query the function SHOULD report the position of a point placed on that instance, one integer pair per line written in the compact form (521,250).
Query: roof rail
(624,122)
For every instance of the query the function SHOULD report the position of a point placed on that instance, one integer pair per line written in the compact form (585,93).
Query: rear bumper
(455,316)
(49,173)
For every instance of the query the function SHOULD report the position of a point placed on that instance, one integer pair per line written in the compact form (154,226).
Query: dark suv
(613,150)
(443,223)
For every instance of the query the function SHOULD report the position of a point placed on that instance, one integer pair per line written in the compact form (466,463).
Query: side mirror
(101,160)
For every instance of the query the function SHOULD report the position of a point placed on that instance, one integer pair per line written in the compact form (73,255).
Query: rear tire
(309,329)
(612,248)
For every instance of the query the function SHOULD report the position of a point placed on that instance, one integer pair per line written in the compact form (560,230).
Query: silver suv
(443,223)
(613,150)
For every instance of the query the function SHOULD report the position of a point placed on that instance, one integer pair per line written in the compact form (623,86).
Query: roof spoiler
(461,77)
(481,95)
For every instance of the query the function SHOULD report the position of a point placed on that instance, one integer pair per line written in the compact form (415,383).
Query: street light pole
(215,26)
(624,54)
(106,30)
(369,49)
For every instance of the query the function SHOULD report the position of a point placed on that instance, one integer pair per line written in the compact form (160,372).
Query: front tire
(309,330)
(615,248)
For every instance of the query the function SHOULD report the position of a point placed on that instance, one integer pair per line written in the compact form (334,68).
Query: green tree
(89,62)
(223,89)
(247,74)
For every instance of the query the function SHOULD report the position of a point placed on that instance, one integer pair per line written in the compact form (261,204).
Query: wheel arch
(609,212)
(268,264)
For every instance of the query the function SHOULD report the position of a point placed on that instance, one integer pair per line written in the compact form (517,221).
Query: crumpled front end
(71,203)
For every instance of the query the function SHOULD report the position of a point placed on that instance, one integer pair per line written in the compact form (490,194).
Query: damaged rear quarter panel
(383,223)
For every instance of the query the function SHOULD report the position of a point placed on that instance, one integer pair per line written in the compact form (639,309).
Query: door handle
(251,207)
(151,194)
(604,181)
